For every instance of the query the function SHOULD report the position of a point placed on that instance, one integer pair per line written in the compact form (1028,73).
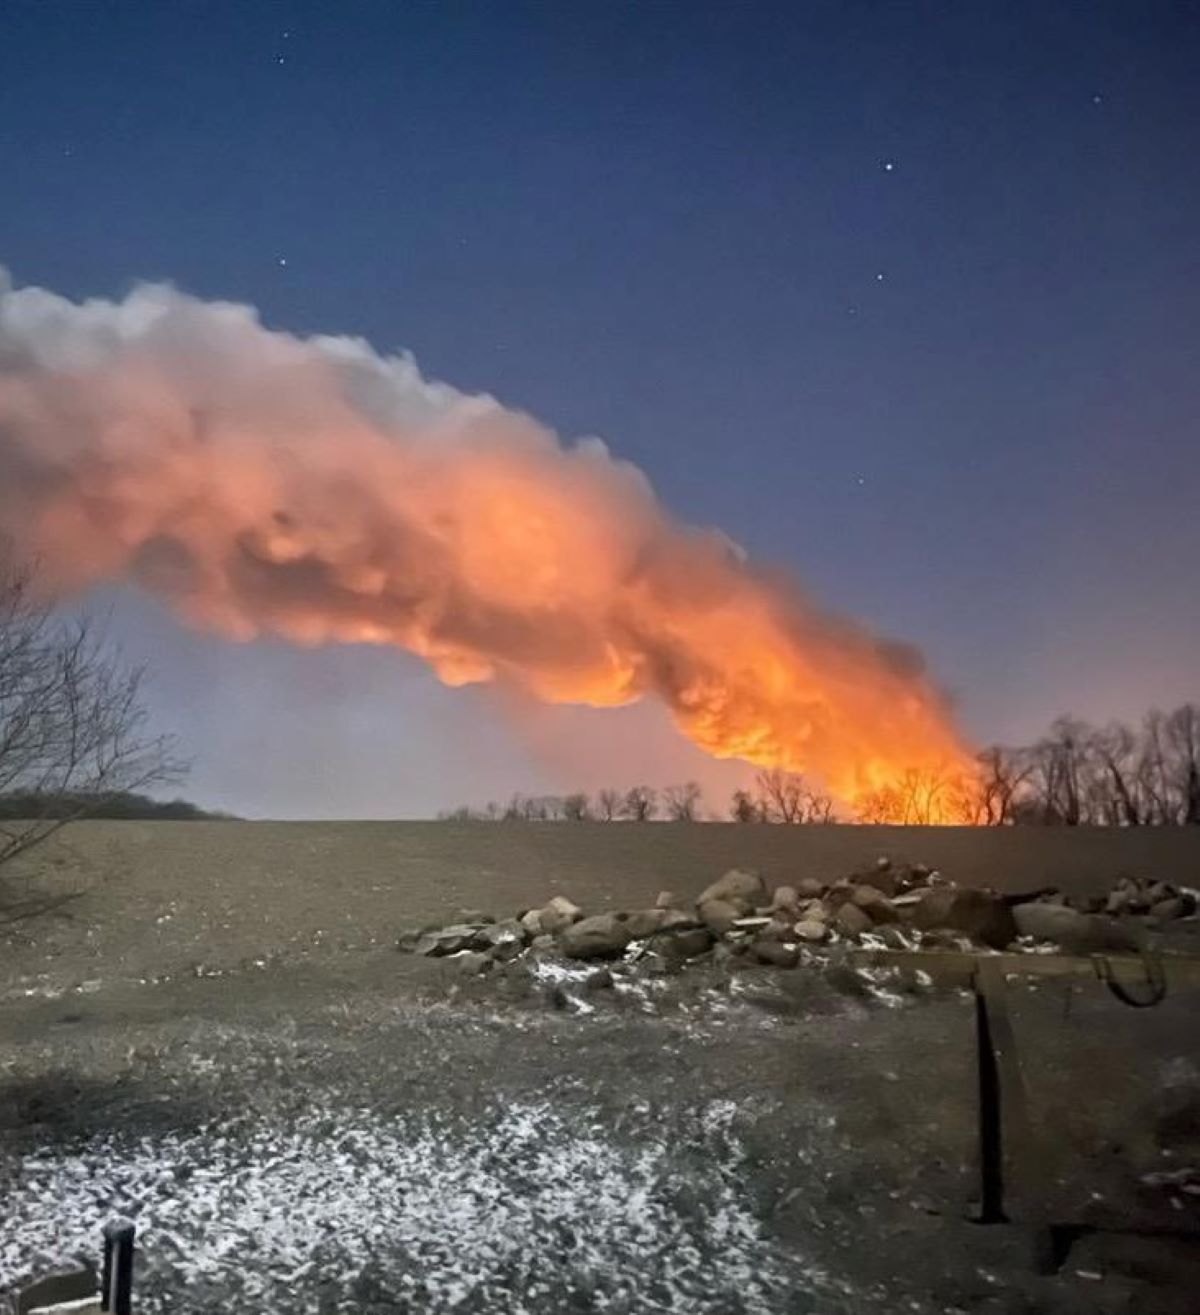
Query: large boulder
(678,920)
(875,904)
(447,940)
(531,922)
(602,936)
(1077,933)
(786,898)
(983,915)
(645,922)
(880,875)
(850,920)
(684,943)
(743,889)
(557,914)
(720,915)
(503,940)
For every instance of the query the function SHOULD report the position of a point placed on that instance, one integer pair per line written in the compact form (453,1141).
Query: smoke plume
(311,488)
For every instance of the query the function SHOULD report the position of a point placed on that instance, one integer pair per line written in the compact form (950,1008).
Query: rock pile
(887,906)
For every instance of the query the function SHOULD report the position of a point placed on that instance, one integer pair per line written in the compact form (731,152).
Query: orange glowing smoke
(310,488)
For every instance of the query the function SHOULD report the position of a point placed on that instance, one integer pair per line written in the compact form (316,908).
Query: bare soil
(219,1040)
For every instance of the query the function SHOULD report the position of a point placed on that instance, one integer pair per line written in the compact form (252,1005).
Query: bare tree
(608,805)
(1183,741)
(73,731)
(639,803)
(781,795)
(682,802)
(743,807)
(1115,786)
(787,797)
(576,807)
(1002,775)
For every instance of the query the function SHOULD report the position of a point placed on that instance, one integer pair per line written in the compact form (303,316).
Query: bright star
(282,262)
(888,166)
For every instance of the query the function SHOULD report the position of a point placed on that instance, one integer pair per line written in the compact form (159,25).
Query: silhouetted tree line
(1081,775)
(1075,775)
(124,805)
(775,796)
(638,803)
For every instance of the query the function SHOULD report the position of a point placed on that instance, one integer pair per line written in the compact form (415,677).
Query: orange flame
(312,489)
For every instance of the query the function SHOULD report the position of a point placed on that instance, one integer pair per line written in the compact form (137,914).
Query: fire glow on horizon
(265,484)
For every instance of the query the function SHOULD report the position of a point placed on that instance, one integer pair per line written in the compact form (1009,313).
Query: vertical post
(116,1288)
(991,1134)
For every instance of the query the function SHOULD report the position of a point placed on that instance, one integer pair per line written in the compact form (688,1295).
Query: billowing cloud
(313,489)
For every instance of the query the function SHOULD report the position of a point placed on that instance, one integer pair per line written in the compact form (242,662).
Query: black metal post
(991,1135)
(116,1288)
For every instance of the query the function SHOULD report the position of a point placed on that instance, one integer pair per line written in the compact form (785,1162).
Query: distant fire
(313,489)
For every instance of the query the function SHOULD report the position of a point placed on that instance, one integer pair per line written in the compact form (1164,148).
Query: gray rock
(893,937)
(686,943)
(666,900)
(786,897)
(837,894)
(505,940)
(778,928)
(1078,933)
(474,917)
(850,920)
(602,936)
(473,963)
(600,980)
(810,888)
(645,922)
(531,923)
(980,914)
(558,914)
(1168,910)
(677,919)
(776,953)
(875,904)
(745,890)
(447,940)
(719,915)
(811,931)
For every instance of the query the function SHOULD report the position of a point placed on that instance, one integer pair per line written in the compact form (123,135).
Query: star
(880,277)
(888,166)
(1096,100)
(279,59)
(281,261)
(862,479)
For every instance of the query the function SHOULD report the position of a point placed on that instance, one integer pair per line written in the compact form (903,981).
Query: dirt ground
(219,1041)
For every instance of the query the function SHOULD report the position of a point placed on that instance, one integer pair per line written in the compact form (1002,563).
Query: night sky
(903,297)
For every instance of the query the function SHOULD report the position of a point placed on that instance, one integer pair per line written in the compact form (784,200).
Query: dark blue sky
(666,224)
